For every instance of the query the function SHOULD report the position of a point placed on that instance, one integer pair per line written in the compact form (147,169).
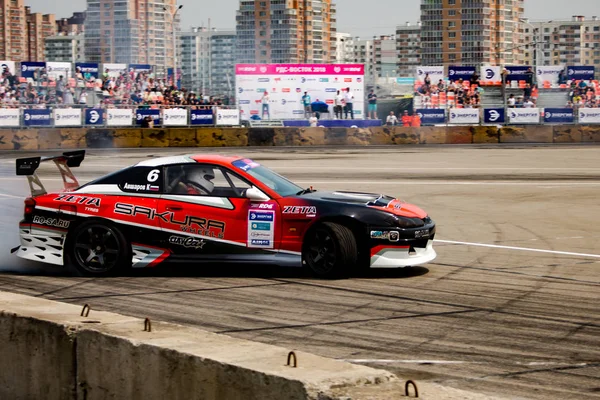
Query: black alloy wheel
(99,249)
(330,250)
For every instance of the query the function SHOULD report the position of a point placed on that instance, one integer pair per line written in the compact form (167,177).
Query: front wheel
(98,249)
(330,250)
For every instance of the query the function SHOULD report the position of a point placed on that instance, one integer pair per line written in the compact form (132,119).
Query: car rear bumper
(41,244)
(401,255)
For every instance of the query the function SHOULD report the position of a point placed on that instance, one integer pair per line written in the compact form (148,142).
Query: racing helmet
(201,178)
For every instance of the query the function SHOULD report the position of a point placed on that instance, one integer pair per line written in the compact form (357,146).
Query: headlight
(409,222)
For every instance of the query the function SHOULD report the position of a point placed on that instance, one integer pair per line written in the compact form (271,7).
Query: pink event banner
(300,69)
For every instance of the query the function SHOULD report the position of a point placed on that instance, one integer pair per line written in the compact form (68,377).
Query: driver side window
(193,179)
(202,180)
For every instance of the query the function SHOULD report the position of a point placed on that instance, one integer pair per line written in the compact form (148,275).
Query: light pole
(173,14)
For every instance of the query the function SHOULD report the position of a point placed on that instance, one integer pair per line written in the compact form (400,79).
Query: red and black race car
(213,208)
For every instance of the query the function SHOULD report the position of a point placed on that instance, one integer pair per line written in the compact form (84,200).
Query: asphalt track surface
(510,307)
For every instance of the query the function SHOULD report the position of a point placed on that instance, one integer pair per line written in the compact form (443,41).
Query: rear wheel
(97,249)
(330,250)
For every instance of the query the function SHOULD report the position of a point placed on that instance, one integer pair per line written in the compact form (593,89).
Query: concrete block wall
(75,138)
(48,351)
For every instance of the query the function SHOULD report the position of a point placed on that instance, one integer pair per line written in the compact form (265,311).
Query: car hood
(371,200)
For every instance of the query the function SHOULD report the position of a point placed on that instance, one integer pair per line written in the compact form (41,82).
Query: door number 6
(153,175)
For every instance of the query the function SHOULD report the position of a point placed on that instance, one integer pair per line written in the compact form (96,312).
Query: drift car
(213,208)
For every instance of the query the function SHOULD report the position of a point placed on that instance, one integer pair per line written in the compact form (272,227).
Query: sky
(378,18)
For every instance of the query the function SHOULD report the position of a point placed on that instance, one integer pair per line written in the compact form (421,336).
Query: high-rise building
(363,53)
(22,33)
(131,32)
(73,25)
(385,56)
(39,27)
(471,32)
(64,48)
(574,42)
(286,31)
(208,61)
(344,48)
(13,42)
(408,47)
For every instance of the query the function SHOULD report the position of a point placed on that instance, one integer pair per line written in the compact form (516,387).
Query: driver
(198,181)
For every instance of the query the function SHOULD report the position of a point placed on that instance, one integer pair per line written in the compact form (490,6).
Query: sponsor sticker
(392,236)
(309,211)
(58,223)
(188,242)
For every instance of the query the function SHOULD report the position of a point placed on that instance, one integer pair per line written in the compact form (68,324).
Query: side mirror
(256,194)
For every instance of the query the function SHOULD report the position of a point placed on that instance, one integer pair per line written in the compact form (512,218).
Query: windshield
(278,183)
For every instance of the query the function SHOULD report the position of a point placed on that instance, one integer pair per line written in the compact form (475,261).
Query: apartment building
(344,46)
(408,47)
(64,48)
(286,31)
(39,27)
(385,57)
(22,32)
(574,42)
(71,26)
(131,32)
(208,61)
(471,32)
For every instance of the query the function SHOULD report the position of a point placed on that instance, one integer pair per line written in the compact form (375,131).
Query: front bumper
(397,247)
(395,256)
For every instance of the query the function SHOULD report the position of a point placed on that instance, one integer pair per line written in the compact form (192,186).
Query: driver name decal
(141,188)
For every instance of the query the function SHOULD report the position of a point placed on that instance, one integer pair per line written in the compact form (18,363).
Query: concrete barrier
(73,138)
(50,352)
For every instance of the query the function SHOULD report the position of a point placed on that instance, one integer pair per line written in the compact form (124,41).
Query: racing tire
(330,251)
(98,248)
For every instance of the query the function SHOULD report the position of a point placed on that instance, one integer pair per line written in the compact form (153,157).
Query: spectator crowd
(132,88)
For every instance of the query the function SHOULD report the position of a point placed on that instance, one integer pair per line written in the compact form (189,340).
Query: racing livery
(213,208)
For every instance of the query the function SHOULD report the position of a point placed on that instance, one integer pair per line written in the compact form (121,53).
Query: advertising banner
(464,116)
(114,70)
(559,115)
(56,69)
(28,68)
(494,116)
(140,68)
(37,117)
(228,117)
(524,115)
(175,117)
(432,116)
(67,117)
(435,74)
(7,66)
(517,72)
(581,72)
(285,85)
(94,116)
(459,72)
(9,117)
(119,117)
(549,73)
(202,117)
(88,70)
(142,113)
(589,115)
(490,73)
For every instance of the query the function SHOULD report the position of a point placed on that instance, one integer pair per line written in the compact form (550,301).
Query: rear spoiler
(64,162)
